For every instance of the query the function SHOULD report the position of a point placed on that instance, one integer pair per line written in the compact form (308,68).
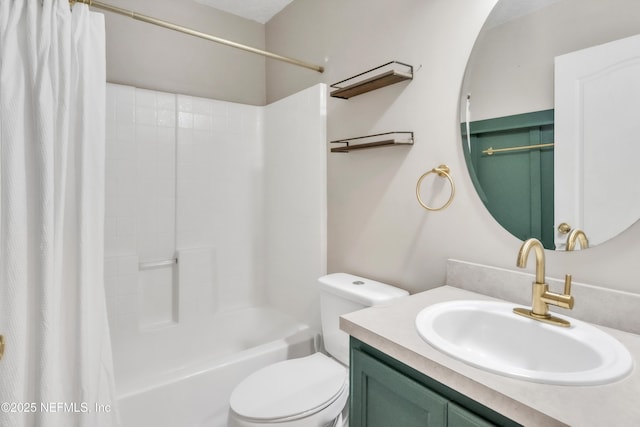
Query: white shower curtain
(57,367)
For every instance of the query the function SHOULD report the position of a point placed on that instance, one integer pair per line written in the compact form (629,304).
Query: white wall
(150,57)
(296,202)
(376,227)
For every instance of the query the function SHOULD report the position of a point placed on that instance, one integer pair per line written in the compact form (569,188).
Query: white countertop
(391,329)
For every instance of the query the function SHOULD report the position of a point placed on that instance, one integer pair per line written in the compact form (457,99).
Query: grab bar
(491,151)
(156,264)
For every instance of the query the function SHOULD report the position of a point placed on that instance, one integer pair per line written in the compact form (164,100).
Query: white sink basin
(488,335)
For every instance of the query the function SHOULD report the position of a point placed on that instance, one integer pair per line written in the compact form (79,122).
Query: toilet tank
(342,293)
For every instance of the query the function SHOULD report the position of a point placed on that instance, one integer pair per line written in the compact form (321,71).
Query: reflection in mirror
(549,118)
(577,236)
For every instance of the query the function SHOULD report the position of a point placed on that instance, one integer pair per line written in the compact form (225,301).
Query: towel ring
(442,171)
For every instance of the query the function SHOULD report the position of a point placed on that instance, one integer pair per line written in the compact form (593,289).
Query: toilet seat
(290,390)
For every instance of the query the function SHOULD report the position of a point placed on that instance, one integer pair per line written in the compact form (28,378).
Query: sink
(488,335)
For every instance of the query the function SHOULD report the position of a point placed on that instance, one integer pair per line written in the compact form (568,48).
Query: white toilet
(310,391)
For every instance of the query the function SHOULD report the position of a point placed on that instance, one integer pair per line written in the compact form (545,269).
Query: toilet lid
(295,387)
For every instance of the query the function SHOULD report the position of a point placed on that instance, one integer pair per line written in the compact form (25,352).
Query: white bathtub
(197,394)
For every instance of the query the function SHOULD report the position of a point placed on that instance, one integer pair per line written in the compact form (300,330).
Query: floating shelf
(373,141)
(384,75)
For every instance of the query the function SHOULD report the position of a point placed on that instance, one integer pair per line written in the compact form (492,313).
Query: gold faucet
(577,235)
(541,296)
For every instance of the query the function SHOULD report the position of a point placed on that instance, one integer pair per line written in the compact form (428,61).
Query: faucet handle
(567,284)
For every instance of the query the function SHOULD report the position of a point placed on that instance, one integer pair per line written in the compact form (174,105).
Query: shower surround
(237,195)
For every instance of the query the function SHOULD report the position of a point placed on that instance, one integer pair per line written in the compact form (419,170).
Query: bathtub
(196,393)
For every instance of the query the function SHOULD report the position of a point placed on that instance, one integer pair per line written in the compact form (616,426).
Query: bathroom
(375,227)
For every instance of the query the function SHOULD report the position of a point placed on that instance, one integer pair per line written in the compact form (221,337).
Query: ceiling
(263,10)
(256,10)
(506,10)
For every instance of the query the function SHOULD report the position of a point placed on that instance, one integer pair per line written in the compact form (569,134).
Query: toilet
(310,391)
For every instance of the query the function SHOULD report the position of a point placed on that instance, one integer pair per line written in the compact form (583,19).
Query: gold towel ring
(442,171)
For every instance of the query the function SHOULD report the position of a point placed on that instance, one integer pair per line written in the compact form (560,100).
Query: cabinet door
(383,397)
(460,417)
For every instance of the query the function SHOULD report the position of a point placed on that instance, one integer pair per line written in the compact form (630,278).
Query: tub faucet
(541,296)
(575,236)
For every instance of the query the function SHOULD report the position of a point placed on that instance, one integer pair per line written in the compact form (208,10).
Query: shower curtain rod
(185,30)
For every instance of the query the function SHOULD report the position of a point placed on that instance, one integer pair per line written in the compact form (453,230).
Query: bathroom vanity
(396,394)
(399,379)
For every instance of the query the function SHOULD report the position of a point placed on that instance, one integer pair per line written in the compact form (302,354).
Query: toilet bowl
(303,392)
(310,391)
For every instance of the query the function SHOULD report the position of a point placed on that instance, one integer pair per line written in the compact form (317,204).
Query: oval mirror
(550,118)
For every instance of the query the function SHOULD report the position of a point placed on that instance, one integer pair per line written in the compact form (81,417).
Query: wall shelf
(376,78)
(373,141)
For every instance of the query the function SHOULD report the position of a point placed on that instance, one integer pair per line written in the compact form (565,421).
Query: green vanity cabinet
(387,393)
